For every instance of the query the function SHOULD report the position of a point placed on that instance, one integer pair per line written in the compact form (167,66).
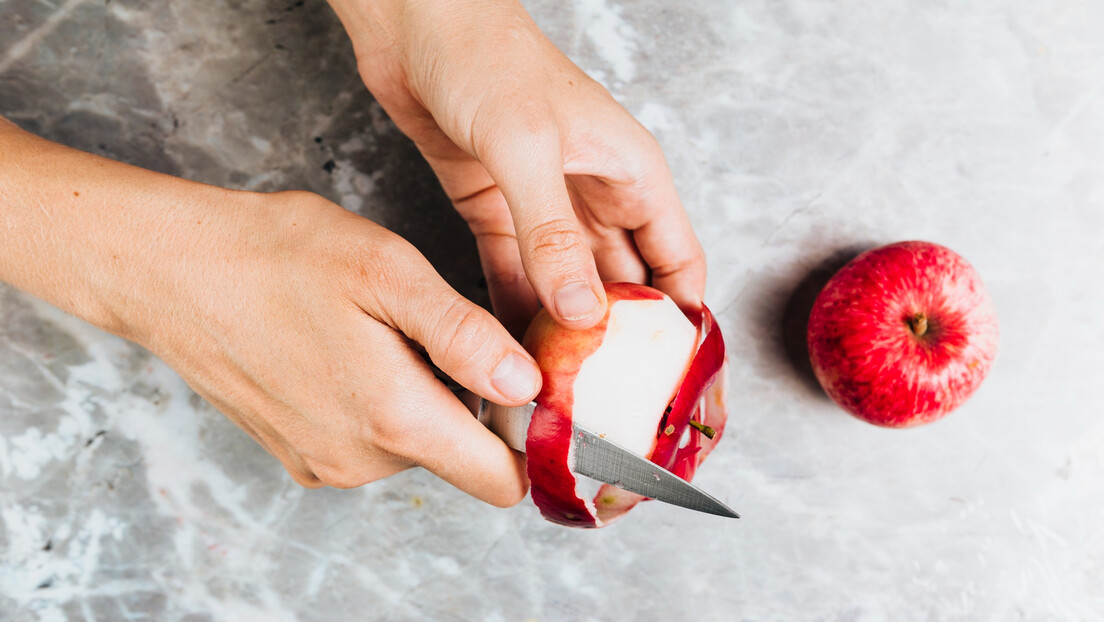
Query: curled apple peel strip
(680,447)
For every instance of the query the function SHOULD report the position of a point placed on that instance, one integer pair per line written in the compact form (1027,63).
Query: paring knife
(601,459)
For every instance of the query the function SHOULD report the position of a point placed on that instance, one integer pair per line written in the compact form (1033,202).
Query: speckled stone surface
(799,132)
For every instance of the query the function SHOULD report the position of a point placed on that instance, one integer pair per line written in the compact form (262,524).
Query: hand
(302,322)
(560,185)
(298,319)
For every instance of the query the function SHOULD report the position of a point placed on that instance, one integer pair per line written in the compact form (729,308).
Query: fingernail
(516,377)
(575,301)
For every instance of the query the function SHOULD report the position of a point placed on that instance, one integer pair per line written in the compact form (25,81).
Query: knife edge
(604,460)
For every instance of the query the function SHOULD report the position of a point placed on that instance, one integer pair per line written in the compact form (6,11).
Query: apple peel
(679,446)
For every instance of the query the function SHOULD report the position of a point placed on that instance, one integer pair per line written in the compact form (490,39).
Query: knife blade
(601,459)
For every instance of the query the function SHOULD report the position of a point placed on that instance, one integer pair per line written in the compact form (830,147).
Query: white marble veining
(798,132)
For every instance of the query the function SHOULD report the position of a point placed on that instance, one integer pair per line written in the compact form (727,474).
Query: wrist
(372,26)
(379,28)
(168,253)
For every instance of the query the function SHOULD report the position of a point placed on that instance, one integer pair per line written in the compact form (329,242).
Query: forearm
(85,233)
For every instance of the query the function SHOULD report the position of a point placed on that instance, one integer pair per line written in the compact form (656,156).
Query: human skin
(302,322)
(290,315)
(560,185)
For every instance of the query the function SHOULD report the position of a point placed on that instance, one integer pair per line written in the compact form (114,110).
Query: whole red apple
(903,334)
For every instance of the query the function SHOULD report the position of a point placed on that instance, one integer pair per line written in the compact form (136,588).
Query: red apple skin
(871,355)
(560,353)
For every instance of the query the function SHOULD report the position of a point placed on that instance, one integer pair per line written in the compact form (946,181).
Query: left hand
(561,186)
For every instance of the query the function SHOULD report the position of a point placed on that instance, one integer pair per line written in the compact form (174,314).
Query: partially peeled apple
(649,377)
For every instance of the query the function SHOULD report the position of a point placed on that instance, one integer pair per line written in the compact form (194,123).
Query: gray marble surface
(798,132)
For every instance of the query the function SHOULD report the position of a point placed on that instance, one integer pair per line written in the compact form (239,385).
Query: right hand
(561,186)
(302,323)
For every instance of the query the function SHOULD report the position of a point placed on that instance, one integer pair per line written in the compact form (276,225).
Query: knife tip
(723,510)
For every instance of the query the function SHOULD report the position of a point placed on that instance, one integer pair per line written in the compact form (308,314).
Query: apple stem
(918,324)
(704,429)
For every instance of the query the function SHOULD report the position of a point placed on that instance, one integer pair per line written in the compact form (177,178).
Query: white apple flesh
(623,388)
(640,378)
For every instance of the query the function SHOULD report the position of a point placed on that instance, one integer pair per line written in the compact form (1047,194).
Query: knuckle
(513,126)
(339,477)
(304,478)
(646,166)
(488,222)
(552,240)
(377,268)
(645,160)
(533,119)
(461,334)
(392,436)
(506,280)
(692,263)
(376,254)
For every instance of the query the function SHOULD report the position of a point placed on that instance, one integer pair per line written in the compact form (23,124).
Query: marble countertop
(798,132)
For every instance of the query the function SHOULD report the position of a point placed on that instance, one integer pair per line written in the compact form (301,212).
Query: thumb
(525,159)
(462,339)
